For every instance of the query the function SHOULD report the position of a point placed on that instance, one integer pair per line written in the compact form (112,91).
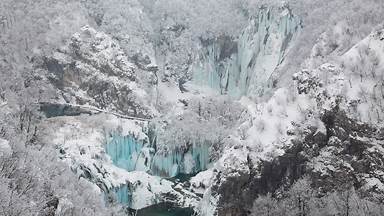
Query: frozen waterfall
(132,155)
(244,66)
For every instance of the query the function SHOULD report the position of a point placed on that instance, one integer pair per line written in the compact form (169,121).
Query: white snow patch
(202,181)
(5,148)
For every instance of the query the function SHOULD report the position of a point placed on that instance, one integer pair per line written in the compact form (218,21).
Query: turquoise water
(51,110)
(165,210)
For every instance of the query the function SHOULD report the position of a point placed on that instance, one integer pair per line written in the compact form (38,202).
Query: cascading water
(244,66)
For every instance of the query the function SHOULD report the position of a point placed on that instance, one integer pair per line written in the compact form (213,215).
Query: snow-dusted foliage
(302,199)
(226,107)
(33,181)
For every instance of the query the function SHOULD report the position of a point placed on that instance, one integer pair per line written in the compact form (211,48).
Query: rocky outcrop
(352,156)
(92,69)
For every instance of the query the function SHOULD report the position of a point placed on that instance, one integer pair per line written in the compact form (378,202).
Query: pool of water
(165,209)
(51,110)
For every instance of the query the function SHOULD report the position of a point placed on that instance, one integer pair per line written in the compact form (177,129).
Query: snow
(146,188)
(64,207)
(3,103)
(325,163)
(209,203)
(364,75)
(5,148)
(99,60)
(170,95)
(270,120)
(373,183)
(202,181)
(126,127)
(189,163)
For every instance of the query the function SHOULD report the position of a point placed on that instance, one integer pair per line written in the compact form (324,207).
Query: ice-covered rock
(201,181)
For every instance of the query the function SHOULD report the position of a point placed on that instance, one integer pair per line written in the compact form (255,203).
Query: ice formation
(244,66)
(131,154)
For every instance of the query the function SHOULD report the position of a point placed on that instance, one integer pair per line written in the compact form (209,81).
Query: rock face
(92,69)
(352,155)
